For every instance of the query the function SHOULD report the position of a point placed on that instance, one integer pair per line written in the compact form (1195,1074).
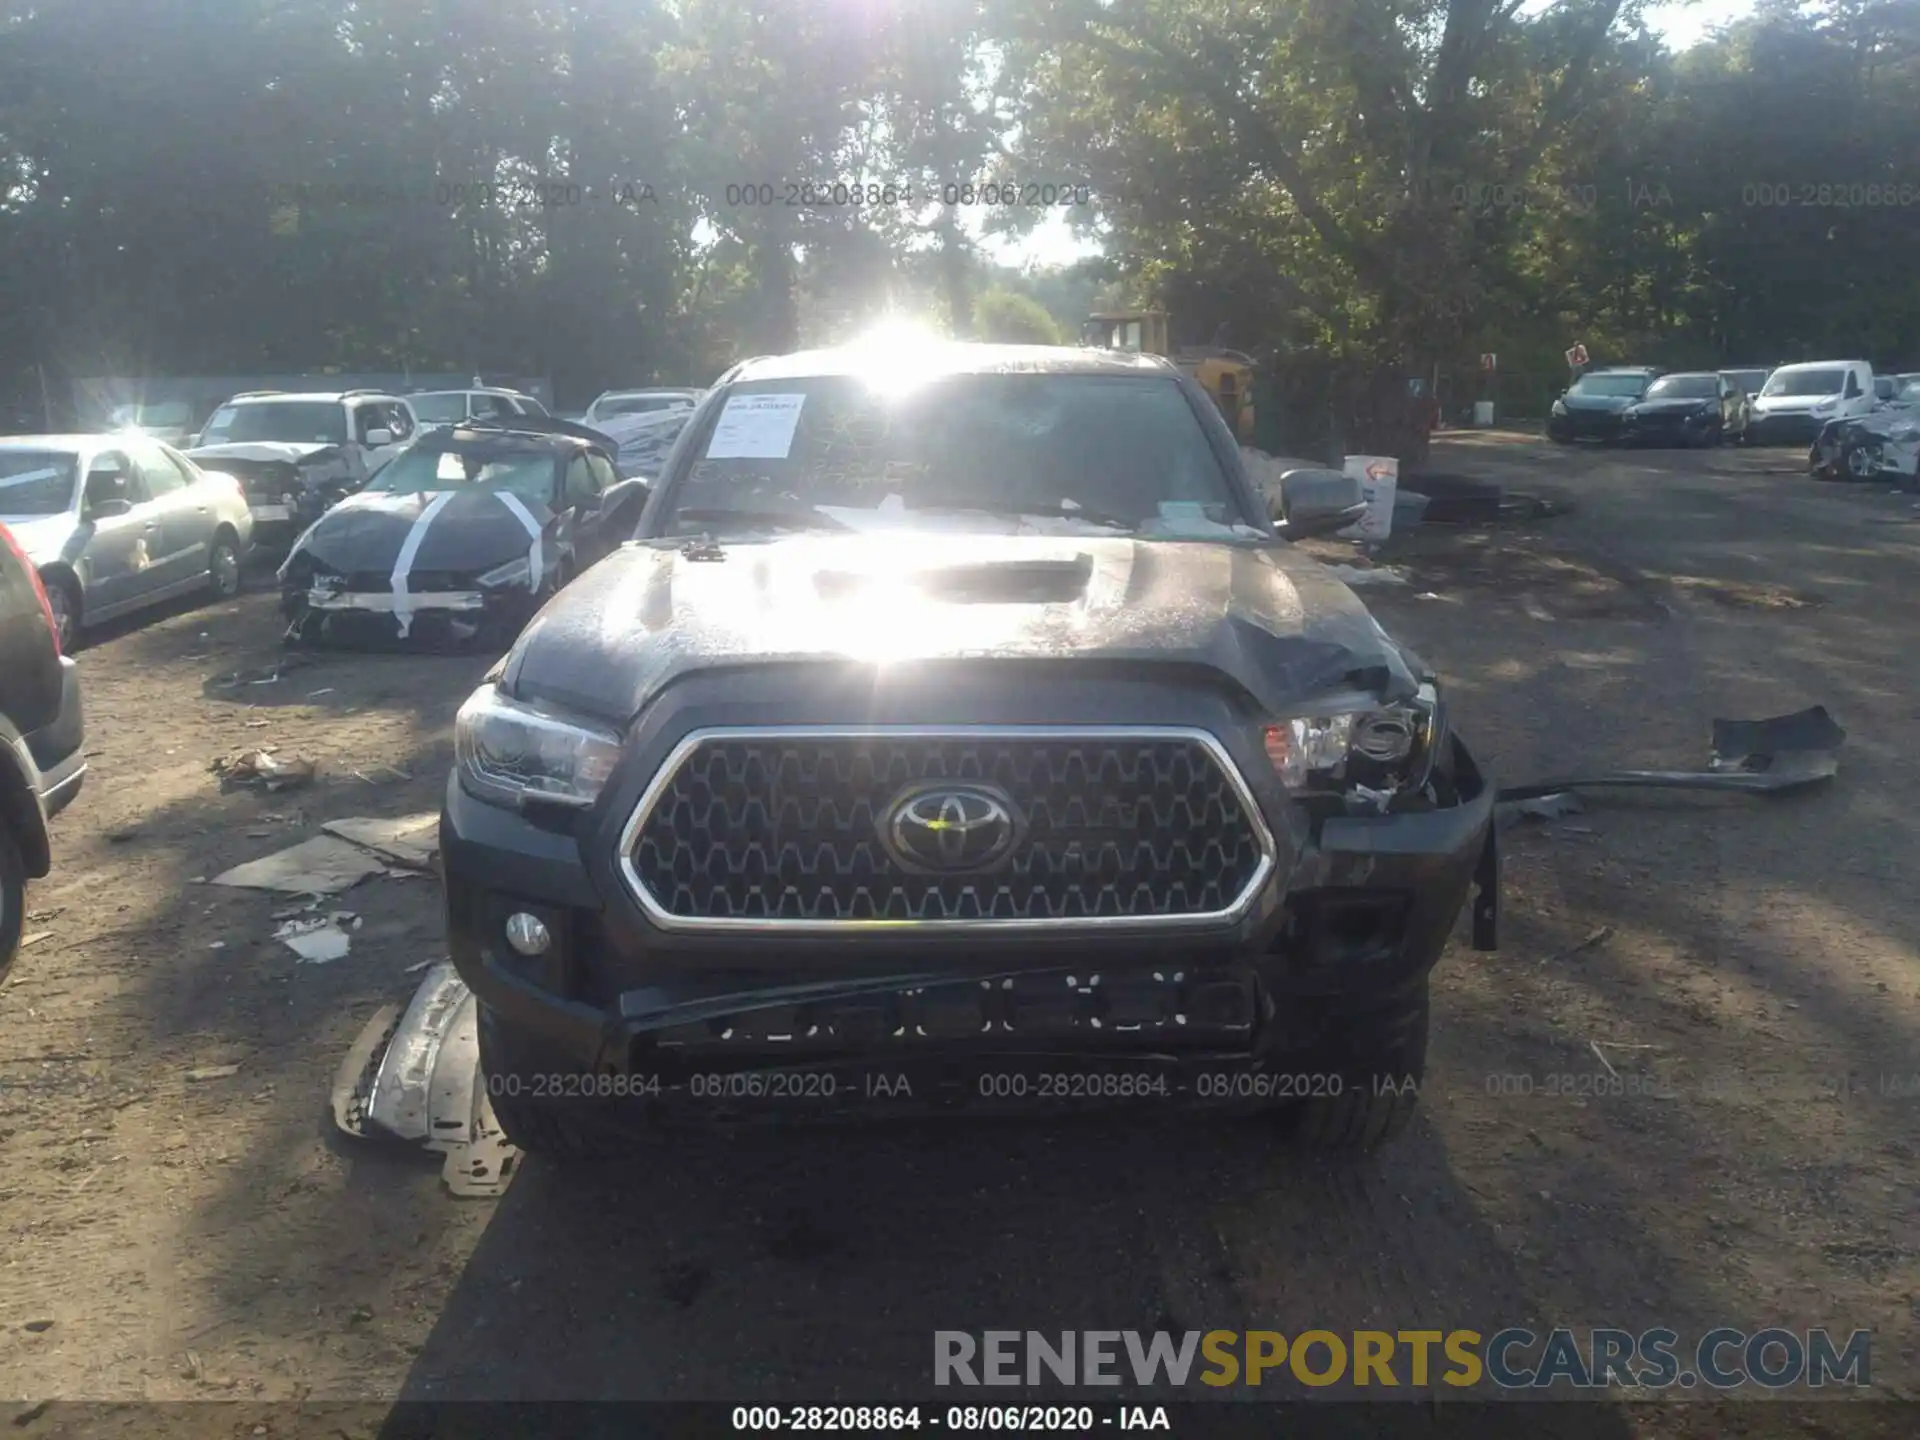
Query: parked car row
(1788,404)
(122,520)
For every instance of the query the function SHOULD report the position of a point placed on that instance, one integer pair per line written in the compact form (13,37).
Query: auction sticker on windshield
(756,427)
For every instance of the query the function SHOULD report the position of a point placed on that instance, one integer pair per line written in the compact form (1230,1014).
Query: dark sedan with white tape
(464,535)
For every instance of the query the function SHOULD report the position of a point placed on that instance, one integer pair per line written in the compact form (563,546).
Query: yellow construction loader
(1227,375)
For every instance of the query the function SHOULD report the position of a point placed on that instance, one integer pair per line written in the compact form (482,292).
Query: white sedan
(118,522)
(638,402)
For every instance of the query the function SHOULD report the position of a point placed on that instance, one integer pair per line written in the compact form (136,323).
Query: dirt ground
(1750,969)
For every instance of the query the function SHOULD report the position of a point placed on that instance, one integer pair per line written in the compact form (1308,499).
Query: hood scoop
(1013,582)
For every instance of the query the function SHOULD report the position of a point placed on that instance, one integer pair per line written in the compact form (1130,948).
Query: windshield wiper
(765,519)
(1022,511)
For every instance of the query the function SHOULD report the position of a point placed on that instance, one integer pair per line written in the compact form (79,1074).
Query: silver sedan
(117,522)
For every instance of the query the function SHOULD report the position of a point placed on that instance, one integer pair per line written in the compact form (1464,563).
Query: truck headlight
(509,752)
(1353,740)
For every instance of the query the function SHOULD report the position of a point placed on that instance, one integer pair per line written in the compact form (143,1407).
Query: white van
(1798,400)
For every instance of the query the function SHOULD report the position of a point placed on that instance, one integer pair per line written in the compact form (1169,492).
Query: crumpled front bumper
(1353,931)
(1785,429)
(1587,425)
(1880,455)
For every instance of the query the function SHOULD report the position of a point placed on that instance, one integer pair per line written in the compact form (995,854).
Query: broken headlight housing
(1348,743)
(517,572)
(510,753)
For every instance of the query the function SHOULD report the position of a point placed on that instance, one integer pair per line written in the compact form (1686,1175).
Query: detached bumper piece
(413,1076)
(1786,752)
(459,601)
(1666,430)
(435,619)
(1583,426)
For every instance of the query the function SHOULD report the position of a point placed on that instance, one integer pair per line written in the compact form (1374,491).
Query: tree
(1013,319)
(1311,167)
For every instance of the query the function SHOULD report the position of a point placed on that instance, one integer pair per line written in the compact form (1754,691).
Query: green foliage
(1011,319)
(615,191)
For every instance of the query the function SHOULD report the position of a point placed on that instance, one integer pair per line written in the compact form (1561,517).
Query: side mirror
(1319,502)
(377,438)
(628,497)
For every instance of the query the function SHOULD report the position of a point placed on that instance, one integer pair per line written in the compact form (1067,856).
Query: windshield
(444,409)
(36,482)
(1749,380)
(167,413)
(300,422)
(1684,387)
(1806,382)
(526,473)
(1115,453)
(638,404)
(1630,386)
(644,443)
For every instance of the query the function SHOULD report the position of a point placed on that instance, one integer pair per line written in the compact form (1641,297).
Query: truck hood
(1267,619)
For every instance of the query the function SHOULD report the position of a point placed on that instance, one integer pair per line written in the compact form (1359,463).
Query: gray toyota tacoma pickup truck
(958,731)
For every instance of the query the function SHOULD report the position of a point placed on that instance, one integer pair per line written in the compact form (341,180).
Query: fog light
(528,933)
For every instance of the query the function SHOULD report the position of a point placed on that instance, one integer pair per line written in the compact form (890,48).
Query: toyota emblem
(950,828)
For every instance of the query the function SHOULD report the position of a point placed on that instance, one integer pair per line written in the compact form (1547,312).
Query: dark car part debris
(1787,752)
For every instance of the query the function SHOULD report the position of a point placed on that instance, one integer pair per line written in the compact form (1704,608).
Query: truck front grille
(788,829)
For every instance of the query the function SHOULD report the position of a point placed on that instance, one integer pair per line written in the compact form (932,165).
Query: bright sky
(1680,22)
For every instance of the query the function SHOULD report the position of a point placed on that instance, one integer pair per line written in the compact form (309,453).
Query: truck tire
(567,1129)
(1380,1088)
(13,896)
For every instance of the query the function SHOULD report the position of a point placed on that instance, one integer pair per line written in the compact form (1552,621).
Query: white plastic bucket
(1483,412)
(1379,477)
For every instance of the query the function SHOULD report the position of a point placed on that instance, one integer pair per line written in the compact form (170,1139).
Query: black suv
(42,735)
(958,730)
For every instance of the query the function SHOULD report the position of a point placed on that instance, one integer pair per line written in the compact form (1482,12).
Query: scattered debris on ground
(1542,807)
(269,674)
(264,768)
(212,1072)
(321,938)
(324,865)
(1743,596)
(412,840)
